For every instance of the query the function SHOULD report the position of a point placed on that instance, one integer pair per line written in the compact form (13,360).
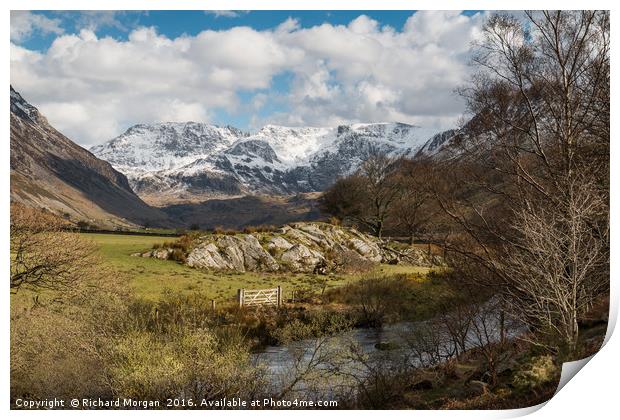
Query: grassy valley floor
(150,277)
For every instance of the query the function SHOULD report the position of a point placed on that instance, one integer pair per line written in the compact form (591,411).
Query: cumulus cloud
(93,87)
(25,23)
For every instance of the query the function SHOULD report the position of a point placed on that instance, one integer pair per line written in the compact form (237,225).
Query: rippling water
(343,360)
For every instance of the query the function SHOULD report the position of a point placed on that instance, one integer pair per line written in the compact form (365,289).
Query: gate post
(279,296)
(240,296)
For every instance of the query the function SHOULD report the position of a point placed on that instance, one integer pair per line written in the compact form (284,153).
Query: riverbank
(526,375)
(417,365)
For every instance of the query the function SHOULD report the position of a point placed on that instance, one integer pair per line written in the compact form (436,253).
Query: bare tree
(413,209)
(367,196)
(535,150)
(561,264)
(44,254)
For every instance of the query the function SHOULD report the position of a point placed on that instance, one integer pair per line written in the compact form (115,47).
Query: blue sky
(174,23)
(96,73)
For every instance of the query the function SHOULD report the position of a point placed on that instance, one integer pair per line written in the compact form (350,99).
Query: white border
(592,394)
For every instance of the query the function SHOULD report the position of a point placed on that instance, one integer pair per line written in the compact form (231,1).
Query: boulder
(279,244)
(300,258)
(298,236)
(255,257)
(227,252)
(159,253)
(366,249)
(347,260)
(230,250)
(323,238)
(207,255)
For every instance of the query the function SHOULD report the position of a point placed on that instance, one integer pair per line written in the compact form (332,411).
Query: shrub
(376,299)
(180,248)
(220,230)
(59,346)
(196,364)
(314,324)
(178,255)
(538,371)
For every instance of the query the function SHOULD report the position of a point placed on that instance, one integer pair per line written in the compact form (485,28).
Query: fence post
(240,293)
(213,304)
(279,296)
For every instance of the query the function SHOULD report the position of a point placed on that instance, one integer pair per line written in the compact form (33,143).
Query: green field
(150,277)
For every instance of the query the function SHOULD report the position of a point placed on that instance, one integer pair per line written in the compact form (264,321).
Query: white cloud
(97,19)
(226,13)
(25,23)
(93,87)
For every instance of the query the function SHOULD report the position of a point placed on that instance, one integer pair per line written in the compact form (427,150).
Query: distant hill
(50,171)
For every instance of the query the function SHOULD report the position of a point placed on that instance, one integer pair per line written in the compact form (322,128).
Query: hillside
(50,171)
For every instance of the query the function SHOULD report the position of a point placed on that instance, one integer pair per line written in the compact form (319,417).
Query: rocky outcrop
(298,247)
(227,252)
(301,258)
(278,243)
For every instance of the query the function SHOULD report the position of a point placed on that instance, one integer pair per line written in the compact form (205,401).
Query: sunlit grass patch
(149,277)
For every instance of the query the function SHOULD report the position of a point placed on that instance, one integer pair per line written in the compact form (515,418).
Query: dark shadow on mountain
(115,197)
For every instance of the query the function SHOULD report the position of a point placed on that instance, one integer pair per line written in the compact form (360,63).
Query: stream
(322,366)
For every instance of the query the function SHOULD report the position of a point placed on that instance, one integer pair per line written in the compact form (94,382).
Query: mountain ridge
(171,162)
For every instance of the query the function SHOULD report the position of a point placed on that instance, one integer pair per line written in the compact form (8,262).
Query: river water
(326,364)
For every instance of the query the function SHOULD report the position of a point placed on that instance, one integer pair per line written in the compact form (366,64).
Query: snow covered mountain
(437,146)
(171,162)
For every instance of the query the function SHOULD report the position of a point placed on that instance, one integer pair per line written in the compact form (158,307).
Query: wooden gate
(258,297)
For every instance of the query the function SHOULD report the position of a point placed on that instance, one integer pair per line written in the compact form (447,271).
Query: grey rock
(300,258)
(230,249)
(227,252)
(255,257)
(301,247)
(279,243)
(161,253)
(207,255)
(366,249)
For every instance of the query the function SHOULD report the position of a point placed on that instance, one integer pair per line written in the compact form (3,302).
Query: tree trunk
(574,334)
(379,229)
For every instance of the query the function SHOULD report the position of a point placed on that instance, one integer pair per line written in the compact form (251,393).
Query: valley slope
(50,171)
